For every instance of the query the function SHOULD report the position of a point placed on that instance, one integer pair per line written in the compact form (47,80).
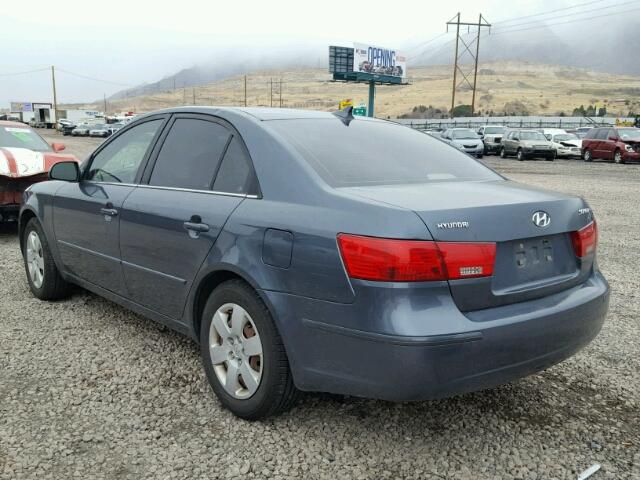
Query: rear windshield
(377,153)
(22,137)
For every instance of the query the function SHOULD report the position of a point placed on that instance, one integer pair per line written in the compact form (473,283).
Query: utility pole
(105,102)
(271,95)
(280,92)
(245,90)
(184,94)
(55,96)
(482,22)
(194,96)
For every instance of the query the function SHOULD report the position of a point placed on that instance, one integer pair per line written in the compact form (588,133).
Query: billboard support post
(372,96)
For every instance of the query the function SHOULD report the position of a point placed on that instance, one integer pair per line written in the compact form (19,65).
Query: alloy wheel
(617,157)
(236,351)
(35,259)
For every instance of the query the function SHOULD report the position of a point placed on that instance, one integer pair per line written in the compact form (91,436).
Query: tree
(461,111)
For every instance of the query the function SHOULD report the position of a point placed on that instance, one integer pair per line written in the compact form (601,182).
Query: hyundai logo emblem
(541,219)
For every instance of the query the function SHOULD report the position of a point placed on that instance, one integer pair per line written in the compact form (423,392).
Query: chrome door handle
(196,227)
(111,212)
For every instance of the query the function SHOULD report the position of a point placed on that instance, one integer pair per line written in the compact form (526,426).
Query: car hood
(530,143)
(467,141)
(570,143)
(22,162)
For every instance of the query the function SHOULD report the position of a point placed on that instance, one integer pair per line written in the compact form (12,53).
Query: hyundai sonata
(311,251)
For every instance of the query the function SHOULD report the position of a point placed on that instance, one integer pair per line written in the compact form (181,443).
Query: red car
(25,158)
(621,144)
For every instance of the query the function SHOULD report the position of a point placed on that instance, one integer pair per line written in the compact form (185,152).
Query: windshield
(494,130)
(629,134)
(22,137)
(563,137)
(461,134)
(377,153)
(532,136)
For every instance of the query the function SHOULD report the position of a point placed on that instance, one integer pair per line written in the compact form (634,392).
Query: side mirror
(65,171)
(58,147)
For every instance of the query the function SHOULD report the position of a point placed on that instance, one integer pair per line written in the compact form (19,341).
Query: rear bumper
(450,353)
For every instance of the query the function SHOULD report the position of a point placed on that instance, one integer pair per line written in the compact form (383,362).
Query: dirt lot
(90,390)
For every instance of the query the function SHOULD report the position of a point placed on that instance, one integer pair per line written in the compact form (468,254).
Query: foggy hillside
(611,47)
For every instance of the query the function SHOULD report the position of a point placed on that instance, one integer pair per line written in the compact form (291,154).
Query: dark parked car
(620,144)
(320,252)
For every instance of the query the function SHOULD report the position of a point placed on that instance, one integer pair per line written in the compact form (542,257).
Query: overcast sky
(128,42)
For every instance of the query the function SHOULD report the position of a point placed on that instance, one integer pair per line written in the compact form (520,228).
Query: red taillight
(391,260)
(585,240)
(468,260)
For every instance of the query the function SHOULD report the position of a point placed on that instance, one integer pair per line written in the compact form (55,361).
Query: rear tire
(479,155)
(588,156)
(43,276)
(233,315)
(520,155)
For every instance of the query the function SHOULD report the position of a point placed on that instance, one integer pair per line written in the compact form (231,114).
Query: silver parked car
(527,144)
(464,139)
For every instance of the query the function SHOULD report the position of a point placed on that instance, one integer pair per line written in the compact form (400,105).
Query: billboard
(22,107)
(378,60)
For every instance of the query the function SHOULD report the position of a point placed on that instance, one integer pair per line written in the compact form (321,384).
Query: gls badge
(541,219)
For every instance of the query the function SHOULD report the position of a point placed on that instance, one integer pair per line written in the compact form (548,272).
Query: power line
(422,44)
(502,32)
(584,4)
(86,77)
(23,73)
(572,14)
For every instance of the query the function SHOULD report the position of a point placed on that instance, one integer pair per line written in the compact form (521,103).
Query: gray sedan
(311,251)
(464,139)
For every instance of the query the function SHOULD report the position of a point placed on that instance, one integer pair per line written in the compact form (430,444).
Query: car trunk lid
(531,260)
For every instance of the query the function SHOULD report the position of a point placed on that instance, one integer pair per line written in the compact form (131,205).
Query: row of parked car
(86,129)
(618,144)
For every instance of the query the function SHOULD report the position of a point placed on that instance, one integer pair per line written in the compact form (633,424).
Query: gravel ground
(90,390)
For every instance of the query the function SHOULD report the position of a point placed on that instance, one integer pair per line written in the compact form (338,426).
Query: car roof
(260,113)
(9,123)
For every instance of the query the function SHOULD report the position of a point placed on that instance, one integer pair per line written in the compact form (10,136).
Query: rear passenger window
(190,154)
(236,172)
(601,134)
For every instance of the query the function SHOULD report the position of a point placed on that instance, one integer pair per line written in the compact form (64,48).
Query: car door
(609,144)
(599,138)
(86,213)
(170,223)
(512,142)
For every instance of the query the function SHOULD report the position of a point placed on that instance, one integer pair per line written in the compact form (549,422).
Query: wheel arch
(202,290)
(26,215)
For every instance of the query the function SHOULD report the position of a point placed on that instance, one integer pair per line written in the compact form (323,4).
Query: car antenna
(346,114)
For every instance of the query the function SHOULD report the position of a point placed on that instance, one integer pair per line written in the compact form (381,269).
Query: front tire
(617,157)
(243,354)
(588,156)
(520,155)
(503,154)
(43,276)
